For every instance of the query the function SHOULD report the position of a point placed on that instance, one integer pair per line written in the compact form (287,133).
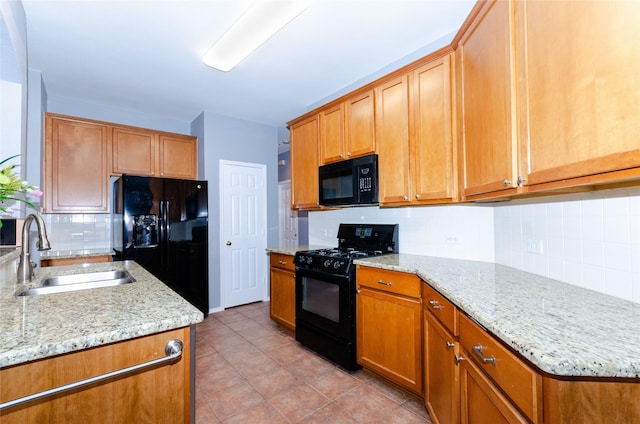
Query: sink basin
(73,282)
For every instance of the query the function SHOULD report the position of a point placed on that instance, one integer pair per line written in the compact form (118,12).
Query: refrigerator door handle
(166,220)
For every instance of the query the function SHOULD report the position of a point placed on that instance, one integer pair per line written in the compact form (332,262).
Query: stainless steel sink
(73,282)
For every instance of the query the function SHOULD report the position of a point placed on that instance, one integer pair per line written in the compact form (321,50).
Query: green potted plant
(13,188)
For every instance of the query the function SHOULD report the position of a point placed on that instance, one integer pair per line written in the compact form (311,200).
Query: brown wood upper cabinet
(414,133)
(144,152)
(76,165)
(304,163)
(347,129)
(548,96)
(81,154)
(486,101)
(580,93)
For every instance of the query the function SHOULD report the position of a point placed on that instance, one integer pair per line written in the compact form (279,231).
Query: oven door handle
(322,276)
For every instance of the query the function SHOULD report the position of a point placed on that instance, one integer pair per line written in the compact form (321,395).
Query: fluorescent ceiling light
(261,21)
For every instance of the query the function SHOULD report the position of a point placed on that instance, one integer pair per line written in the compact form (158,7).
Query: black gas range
(326,289)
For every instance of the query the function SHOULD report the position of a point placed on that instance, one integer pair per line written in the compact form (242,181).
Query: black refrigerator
(161,223)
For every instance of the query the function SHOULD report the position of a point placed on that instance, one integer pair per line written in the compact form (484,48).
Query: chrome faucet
(25,266)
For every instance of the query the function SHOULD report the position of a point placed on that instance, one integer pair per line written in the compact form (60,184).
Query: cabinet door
(77,156)
(441,374)
(332,134)
(580,63)
(389,336)
(360,132)
(487,103)
(177,156)
(154,395)
(283,297)
(481,401)
(304,164)
(392,132)
(134,151)
(432,168)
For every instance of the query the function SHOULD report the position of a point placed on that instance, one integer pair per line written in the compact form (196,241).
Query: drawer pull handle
(173,352)
(457,359)
(450,345)
(282,262)
(478,350)
(386,283)
(435,305)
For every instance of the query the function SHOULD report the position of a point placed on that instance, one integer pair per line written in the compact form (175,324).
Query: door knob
(228,243)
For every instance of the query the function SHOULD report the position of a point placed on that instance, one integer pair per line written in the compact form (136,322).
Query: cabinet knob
(521,180)
(405,197)
(228,243)
(341,155)
(348,153)
(450,345)
(506,182)
(457,359)
(417,196)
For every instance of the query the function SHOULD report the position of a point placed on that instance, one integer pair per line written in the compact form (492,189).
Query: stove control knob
(309,260)
(337,264)
(327,263)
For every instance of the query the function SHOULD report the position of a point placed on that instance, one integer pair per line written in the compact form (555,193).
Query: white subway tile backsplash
(592,239)
(461,232)
(589,239)
(78,231)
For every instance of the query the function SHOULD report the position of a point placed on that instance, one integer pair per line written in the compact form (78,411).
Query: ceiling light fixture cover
(256,25)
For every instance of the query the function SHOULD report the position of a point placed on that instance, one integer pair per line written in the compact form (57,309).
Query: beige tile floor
(251,370)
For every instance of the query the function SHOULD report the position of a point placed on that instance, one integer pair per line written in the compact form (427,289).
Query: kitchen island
(92,332)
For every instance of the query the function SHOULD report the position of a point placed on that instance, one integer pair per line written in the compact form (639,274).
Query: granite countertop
(36,327)
(292,250)
(7,254)
(562,329)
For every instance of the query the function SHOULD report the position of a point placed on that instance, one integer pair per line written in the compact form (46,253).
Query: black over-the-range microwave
(352,182)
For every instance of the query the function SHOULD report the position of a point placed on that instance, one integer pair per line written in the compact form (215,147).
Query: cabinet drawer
(441,308)
(279,260)
(516,379)
(389,281)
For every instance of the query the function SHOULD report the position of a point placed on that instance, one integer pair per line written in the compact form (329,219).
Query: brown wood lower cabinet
(481,400)
(441,372)
(283,291)
(74,261)
(155,395)
(389,326)
(595,401)
(511,375)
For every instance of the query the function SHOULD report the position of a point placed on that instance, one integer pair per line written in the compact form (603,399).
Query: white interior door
(288,217)
(242,233)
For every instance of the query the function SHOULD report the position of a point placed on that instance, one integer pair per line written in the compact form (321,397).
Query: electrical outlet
(451,239)
(535,246)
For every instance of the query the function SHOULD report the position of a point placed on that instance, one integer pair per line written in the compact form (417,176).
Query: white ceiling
(145,55)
